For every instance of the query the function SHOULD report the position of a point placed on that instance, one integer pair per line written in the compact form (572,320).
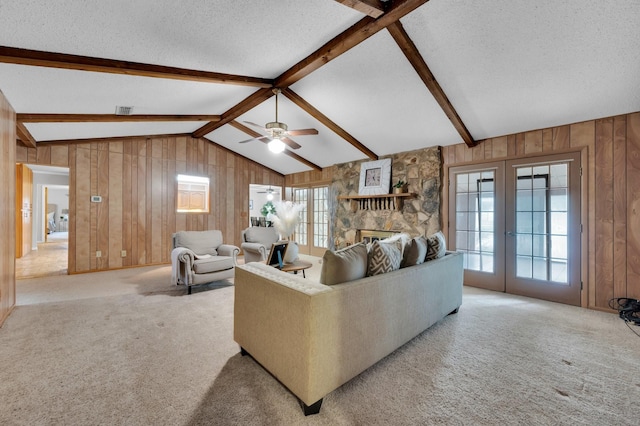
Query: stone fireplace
(419,215)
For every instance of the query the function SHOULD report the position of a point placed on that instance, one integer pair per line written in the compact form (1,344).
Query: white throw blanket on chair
(180,255)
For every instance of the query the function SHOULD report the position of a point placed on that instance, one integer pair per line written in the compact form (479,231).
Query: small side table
(298,265)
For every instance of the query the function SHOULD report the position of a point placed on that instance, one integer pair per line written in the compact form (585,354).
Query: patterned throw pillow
(436,246)
(383,257)
(415,252)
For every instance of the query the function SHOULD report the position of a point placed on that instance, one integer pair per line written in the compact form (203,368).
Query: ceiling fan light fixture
(276,146)
(276,130)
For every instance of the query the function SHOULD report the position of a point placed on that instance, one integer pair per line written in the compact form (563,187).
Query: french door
(312,234)
(518,224)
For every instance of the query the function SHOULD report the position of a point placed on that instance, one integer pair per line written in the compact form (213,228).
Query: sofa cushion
(200,242)
(261,234)
(415,252)
(436,246)
(383,257)
(344,265)
(205,265)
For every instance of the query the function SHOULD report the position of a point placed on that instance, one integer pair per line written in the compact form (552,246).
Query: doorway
(261,199)
(49,253)
(518,224)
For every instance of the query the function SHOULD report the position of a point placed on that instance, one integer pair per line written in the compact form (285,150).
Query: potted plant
(400,187)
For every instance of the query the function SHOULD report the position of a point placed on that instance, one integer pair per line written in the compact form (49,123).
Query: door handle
(511,234)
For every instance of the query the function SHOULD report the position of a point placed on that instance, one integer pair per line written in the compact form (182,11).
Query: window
(475,206)
(193,194)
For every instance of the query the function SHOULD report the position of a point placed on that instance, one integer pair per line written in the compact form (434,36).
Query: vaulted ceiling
(373,77)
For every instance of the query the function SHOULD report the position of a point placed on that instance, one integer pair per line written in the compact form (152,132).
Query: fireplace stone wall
(422,169)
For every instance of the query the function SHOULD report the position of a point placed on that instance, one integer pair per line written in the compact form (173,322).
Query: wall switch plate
(98,253)
(123,253)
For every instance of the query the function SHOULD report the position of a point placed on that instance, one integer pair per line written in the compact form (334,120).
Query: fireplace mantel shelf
(377,202)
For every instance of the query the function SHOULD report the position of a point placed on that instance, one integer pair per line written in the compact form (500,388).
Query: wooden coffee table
(298,265)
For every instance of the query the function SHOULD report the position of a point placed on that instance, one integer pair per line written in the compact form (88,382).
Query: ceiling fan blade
(303,132)
(250,140)
(254,125)
(291,143)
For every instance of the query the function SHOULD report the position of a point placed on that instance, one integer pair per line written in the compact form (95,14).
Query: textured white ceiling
(505,66)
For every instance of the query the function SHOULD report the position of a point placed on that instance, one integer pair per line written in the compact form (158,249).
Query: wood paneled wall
(610,199)
(309,178)
(136,179)
(7,209)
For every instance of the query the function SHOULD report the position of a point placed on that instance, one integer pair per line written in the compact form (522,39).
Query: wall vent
(124,110)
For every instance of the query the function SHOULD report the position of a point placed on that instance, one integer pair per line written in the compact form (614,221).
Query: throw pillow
(383,257)
(437,246)
(400,240)
(344,265)
(414,252)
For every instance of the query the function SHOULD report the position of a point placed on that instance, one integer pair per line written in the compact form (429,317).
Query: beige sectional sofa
(313,338)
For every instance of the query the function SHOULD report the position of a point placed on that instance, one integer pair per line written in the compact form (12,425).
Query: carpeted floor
(128,348)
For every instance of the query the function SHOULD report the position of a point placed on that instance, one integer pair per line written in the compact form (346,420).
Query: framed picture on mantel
(375,177)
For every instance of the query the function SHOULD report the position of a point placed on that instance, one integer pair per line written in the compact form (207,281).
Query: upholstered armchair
(200,257)
(256,242)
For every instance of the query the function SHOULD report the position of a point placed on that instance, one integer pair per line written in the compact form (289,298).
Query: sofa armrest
(228,250)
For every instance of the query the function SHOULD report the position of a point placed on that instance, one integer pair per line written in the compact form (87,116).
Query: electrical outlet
(123,253)
(98,253)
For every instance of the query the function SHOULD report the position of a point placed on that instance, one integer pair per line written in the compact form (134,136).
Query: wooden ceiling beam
(12,55)
(24,135)
(315,113)
(372,8)
(410,50)
(353,36)
(344,41)
(247,130)
(108,118)
(247,104)
(302,160)
(291,154)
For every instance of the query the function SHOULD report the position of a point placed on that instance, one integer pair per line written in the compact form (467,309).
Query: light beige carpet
(128,348)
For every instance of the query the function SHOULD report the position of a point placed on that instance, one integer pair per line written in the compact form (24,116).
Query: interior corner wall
(7,208)
(135,178)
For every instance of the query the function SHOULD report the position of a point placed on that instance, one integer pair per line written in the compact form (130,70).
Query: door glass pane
(300,196)
(475,219)
(542,222)
(320,217)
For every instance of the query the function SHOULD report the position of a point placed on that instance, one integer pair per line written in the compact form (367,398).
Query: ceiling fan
(278,132)
(269,190)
